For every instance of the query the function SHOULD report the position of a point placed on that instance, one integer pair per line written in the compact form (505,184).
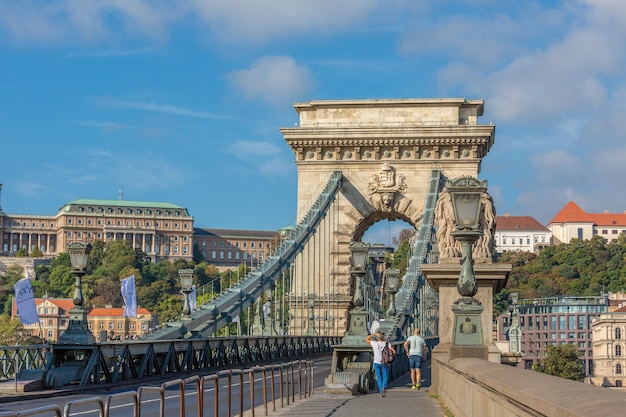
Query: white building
(573,223)
(520,233)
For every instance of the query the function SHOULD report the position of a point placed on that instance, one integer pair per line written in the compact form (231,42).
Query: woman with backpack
(378,343)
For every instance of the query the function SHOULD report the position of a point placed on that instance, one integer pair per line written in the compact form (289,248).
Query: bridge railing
(269,386)
(14,359)
(414,287)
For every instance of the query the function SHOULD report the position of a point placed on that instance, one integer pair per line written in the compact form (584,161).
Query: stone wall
(473,387)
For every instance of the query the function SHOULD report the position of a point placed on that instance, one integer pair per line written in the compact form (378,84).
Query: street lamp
(77,331)
(514,330)
(186,281)
(466,194)
(391,279)
(311,327)
(357,326)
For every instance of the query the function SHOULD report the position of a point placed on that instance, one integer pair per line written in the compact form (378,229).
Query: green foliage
(21,253)
(12,332)
(36,253)
(582,267)
(562,361)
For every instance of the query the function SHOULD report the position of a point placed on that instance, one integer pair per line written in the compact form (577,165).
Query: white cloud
(235,21)
(250,21)
(162,108)
(272,79)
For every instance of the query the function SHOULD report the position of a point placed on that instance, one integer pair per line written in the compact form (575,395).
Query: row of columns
(12,242)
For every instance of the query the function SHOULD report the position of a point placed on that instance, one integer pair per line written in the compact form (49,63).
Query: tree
(36,253)
(12,332)
(562,361)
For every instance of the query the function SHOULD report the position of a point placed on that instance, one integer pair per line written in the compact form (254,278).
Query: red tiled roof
(609,219)
(621,310)
(67,304)
(113,312)
(519,223)
(64,303)
(571,213)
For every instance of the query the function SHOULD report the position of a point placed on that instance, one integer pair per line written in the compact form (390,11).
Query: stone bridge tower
(386,150)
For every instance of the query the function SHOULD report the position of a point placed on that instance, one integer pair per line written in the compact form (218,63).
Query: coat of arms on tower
(384,186)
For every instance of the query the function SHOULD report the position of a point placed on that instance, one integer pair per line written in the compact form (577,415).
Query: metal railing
(280,385)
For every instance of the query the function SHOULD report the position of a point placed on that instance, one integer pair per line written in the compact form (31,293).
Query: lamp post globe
(186,281)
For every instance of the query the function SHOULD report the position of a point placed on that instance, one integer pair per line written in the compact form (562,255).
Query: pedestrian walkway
(400,400)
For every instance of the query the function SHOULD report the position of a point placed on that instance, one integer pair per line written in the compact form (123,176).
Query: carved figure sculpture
(483,247)
(444,219)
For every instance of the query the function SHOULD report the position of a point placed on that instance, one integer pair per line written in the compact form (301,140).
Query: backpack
(388,355)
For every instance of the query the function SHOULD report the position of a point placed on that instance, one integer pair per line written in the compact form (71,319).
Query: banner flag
(25,300)
(192,299)
(129,296)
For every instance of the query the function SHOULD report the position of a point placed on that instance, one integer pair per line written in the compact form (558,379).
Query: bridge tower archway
(386,151)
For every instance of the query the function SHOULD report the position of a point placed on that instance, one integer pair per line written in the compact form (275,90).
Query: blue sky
(182,101)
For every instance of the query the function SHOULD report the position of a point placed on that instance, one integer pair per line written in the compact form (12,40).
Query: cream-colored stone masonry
(386,150)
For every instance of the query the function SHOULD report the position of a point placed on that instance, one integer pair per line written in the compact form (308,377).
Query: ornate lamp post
(311,327)
(391,279)
(268,324)
(357,330)
(186,281)
(514,330)
(466,194)
(78,329)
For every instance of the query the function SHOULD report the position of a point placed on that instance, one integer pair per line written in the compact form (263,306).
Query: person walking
(378,343)
(416,350)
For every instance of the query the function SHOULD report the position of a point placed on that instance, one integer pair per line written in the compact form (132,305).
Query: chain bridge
(359,162)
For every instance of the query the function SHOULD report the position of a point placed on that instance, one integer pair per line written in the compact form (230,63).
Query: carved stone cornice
(375,144)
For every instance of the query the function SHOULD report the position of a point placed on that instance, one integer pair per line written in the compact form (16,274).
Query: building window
(618,368)
(120,326)
(618,383)
(618,350)
(580,233)
(614,232)
(605,232)
(618,333)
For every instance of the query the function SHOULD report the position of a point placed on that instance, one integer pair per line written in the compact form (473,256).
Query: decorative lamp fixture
(514,298)
(392,276)
(360,253)
(466,193)
(186,281)
(79,255)
(77,331)
(79,258)
(391,280)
